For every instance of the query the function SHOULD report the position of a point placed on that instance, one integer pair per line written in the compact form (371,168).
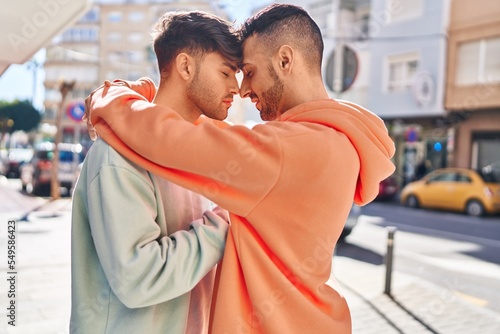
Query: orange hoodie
(288,184)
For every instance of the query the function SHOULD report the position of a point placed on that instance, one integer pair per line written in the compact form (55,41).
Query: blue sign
(411,135)
(76,110)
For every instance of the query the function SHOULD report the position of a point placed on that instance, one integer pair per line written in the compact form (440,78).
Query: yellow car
(455,189)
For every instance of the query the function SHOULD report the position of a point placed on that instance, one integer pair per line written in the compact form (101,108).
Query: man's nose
(245,89)
(234,89)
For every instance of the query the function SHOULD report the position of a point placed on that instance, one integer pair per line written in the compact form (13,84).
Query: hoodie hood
(365,130)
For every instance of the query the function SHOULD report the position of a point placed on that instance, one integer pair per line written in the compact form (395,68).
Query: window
(478,62)
(136,17)
(136,37)
(463,178)
(114,16)
(401,71)
(135,57)
(114,37)
(404,9)
(443,177)
(92,16)
(80,35)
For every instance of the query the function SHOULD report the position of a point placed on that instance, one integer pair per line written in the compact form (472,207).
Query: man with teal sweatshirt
(144,249)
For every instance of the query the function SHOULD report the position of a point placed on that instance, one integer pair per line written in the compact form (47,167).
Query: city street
(453,250)
(445,276)
(413,82)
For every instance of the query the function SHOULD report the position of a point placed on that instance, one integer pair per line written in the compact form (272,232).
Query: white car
(36,175)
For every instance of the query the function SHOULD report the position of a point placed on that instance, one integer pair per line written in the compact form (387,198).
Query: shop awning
(28,26)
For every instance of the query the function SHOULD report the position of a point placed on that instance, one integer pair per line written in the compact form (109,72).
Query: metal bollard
(391,230)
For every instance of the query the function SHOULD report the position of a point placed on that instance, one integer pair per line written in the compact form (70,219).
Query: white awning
(29,25)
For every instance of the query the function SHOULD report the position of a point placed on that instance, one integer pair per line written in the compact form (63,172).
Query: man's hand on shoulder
(144,86)
(221,213)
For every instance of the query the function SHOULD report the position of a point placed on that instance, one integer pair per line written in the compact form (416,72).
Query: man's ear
(184,65)
(286,57)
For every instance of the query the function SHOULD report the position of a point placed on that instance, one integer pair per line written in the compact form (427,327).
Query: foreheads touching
(282,24)
(195,33)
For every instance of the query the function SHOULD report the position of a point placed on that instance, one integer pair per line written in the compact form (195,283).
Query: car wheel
(344,234)
(38,189)
(412,202)
(474,208)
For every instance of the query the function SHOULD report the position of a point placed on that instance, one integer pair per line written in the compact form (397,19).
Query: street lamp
(65,87)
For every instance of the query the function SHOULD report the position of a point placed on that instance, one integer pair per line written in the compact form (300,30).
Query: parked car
(455,189)
(387,189)
(36,175)
(13,160)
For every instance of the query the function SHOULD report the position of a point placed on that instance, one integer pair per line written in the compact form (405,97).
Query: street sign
(349,68)
(76,110)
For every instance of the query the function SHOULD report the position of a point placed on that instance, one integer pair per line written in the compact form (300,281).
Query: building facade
(112,40)
(407,80)
(473,82)
(389,56)
(429,69)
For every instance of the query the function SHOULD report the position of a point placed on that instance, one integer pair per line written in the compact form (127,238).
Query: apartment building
(407,79)
(389,56)
(112,40)
(473,82)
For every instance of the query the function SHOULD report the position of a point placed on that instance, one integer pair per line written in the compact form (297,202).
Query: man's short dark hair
(280,24)
(196,33)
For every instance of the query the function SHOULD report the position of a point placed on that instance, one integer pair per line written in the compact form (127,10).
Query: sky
(17,81)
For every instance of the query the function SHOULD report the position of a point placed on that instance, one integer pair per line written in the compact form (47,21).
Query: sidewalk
(416,306)
(43,287)
(43,270)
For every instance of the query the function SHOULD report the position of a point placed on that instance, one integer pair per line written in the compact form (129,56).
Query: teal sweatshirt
(143,250)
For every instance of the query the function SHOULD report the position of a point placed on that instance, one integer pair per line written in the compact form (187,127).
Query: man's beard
(271,98)
(204,98)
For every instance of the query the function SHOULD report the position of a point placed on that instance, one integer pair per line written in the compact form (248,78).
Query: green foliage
(18,116)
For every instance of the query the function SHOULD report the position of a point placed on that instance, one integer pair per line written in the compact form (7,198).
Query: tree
(17,116)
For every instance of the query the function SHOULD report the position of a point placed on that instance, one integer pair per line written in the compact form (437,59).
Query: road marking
(435,232)
(471,299)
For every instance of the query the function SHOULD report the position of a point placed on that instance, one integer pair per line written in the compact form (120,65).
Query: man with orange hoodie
(288,184)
